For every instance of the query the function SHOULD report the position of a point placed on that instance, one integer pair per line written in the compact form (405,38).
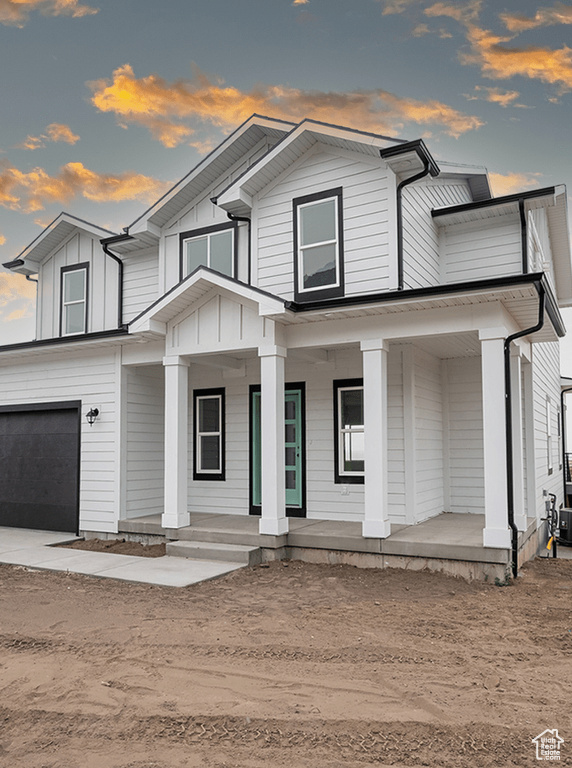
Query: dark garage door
(39,467)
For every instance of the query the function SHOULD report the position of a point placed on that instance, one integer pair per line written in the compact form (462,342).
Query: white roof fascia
(54,234)
(557,216)
(155,319)
(143,223)
(230,198)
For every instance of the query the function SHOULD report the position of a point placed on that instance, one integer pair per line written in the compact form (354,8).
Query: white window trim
(209,235)
(342,431)
(200,470)
(66,304)
(301,248)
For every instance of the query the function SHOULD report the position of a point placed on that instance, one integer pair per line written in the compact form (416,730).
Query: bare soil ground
(301,665)
(117,547)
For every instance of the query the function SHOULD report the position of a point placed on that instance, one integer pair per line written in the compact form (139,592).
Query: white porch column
(176,514)
(496,532)
(517,439)
(376,517)
(273,520)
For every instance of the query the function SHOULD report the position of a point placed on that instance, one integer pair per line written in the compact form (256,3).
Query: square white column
(376,512)
(273,520)
(517,439)
(496,532)
(176,514)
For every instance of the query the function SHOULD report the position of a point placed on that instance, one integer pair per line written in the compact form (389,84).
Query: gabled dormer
(78,284)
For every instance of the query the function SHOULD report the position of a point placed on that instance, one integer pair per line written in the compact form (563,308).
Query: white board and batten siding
(367,196)
(102,288)
(422,256)
(140,282)
(91,377)
(478,250)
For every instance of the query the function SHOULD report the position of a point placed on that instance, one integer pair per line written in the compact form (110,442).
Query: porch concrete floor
(447,536)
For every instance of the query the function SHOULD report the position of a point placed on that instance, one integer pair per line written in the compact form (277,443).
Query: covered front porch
(448,543)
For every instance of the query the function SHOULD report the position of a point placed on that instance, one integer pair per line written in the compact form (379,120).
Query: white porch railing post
(496,532)
(376,513)
(517,439)
(273,520)
(176,514)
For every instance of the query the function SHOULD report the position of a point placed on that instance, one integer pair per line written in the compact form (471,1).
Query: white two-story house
(314,324)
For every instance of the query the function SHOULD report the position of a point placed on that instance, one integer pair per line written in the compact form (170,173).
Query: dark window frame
(84,265)
(339,478)
(199,474)
(328,292)
(192,233)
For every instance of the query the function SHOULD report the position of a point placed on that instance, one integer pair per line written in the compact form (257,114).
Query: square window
(318,246)
(349,431)
(73,315)
(209,441)
(212,247)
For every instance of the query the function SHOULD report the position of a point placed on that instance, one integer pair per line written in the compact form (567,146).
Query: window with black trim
(208,430)
(318,246)
(349,431)
(73,292)
(214,247)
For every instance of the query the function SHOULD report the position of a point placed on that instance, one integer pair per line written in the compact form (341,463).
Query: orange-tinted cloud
(54,132)
(495,96)
(497,61)
(2,240)
(16,12)
(17,296)
(171,111)
(507,183)
(420,30)
(544,17)
(300,2)
(396,6)
(33,190)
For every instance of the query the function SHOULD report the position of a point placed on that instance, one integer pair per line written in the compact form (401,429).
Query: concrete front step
(226,536)
(202,550)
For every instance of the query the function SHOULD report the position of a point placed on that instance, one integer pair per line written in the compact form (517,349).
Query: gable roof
(237,197)
(206,172)
(28,261)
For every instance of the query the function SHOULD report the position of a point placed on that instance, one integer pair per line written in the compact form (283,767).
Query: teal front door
(293,450)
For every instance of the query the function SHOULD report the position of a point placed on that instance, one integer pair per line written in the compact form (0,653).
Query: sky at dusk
(106,104)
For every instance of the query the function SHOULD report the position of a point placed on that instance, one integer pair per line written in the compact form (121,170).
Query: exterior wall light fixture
(92,415)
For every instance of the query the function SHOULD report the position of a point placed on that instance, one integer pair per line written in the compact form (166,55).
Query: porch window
(73,318)
(208,430)
(318,247)
(349,431)
(213,247)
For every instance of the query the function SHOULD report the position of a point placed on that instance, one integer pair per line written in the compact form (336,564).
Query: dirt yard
(292,665)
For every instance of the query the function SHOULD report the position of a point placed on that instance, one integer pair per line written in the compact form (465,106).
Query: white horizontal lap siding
(428,436)
(365,221)
(102,287)
(140,282)
(89,377)
(465,417)
(546,383)
(145,437)
(421,250)
(482,249)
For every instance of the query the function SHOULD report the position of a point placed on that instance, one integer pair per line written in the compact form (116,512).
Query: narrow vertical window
(74,300)
(349,431)
(549,435)
(209,434)
(318,262)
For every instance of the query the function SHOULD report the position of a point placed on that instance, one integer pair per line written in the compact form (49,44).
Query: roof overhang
(202,281)
(237,197)
(476,177)
(29,260)
(206,173)
(410,158)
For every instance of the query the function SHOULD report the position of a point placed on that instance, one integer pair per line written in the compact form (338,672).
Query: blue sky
(105,104)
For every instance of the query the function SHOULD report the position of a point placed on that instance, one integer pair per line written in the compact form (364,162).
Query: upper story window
(74,284)
(318,246)
(214,247)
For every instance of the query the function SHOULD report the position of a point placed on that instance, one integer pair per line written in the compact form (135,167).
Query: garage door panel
(39,482)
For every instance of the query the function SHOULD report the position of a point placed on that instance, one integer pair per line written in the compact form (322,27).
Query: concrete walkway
(35,549)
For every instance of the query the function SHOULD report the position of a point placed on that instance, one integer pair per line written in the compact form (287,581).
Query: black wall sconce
(92,415)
